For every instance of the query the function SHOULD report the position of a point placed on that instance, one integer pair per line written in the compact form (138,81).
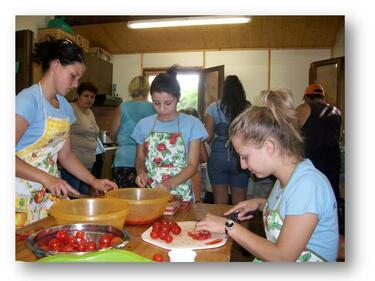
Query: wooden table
(136,244)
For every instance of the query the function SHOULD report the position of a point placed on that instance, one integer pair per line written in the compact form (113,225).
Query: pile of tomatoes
(64,242)
(163,230)
(200,235)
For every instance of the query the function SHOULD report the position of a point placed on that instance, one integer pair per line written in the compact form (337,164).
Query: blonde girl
(300,214)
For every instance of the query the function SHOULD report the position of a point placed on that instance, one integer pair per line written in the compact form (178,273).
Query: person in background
(224,164)
(203,157)
(169,142)
(316,116)
(300,214)
(84,133)
(125,119)
(43,120)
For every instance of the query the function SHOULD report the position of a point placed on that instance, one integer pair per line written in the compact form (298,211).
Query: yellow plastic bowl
(91,210)
(146,205)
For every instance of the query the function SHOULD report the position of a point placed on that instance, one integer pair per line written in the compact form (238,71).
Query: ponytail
(276,119)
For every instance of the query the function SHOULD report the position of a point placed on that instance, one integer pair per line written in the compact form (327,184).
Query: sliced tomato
(215,241)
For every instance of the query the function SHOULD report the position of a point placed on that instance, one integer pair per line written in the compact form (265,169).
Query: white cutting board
(183,240)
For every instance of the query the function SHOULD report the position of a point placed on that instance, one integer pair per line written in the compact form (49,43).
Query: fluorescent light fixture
(187,21)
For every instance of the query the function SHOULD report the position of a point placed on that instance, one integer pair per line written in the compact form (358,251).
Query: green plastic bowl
(111,255)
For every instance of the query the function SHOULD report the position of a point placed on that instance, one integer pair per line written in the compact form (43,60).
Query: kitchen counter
(136,244)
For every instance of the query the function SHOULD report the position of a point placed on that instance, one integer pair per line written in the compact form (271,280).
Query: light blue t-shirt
(309,191)
(131,113)
(33,106)
(216,113)
(191,128)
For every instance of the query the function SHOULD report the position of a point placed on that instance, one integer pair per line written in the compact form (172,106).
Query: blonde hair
(275,119)
(138,86)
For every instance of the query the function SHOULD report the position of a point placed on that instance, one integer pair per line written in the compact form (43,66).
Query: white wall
(250,66)
(290,69)
(125,67)
(32,23)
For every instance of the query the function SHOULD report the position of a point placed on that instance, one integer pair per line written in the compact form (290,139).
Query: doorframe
(201,97)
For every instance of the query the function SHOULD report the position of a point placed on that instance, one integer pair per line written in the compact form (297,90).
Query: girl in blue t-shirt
(300,215)
(168,143)
(43,119)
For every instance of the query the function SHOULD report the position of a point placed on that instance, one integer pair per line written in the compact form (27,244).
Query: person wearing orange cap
(316,116)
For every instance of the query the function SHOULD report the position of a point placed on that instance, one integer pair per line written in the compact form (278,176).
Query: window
(189,82)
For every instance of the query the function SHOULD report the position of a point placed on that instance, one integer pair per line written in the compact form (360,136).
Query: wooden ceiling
(270,32)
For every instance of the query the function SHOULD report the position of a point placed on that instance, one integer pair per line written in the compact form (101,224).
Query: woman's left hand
(164,185)
(211,223)
(103,185)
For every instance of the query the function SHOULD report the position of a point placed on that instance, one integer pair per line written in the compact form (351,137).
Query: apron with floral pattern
(273,223)
(32,199)
(165,157)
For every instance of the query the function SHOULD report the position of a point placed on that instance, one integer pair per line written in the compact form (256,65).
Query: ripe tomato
(82,247)
(158,258)
(91,246)
(115,240)
(67,248)
(176,229)
(168,238)
(157,226)
(165,228)
(154,234)
(80,234)
(62,235)
(163,234)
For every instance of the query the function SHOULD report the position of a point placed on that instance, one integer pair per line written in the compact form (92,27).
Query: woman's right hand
(244,207)
(58,187)
(141,179)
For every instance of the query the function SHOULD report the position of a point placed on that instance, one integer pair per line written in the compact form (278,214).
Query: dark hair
(66,51)
(190,111)
(314,96)
(167,82)
(86,86)
(234,100)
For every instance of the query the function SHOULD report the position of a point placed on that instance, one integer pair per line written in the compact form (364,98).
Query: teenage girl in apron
(300,214)
(162,160)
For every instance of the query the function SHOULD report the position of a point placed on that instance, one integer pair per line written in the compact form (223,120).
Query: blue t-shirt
(309,191)
(131,113)
(216,113)
(191,128)
(33,107)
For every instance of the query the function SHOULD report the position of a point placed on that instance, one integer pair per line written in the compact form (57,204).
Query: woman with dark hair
(124,121)
(84,134)
(223,164)
(43,119)
(168,142)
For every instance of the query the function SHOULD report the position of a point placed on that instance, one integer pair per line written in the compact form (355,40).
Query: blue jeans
(77,184)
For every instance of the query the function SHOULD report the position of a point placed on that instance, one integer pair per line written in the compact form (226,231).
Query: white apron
(165,157)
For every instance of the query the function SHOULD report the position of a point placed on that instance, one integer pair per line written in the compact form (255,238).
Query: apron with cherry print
(165,157)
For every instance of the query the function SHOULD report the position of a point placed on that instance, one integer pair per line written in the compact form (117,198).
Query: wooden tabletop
(136,244)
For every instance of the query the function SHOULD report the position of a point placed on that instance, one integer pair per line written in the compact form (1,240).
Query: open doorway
(189,83)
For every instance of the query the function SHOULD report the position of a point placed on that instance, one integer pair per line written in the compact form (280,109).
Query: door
(210,87)
(331,75)
(24,71)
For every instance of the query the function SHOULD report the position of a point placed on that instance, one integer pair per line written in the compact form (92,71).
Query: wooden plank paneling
(262,32)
